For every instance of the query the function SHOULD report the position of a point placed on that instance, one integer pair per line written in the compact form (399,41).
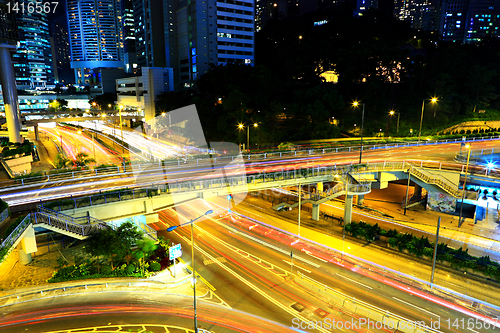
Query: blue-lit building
(33,57)
(96,38)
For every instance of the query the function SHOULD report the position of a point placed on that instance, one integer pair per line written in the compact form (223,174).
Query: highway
(233,256)
(73,143)
(432,154)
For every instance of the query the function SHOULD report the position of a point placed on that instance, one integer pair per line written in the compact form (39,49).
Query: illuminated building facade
(96,38)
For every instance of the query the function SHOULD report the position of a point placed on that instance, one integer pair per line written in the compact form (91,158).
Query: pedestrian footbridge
(80,217)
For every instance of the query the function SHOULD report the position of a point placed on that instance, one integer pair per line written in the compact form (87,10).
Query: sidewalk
(47,152)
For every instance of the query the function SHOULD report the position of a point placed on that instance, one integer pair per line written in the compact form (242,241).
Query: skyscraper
(149,33)
(422,14)
(469,21)
(33,57)
(129,50)
(96,37)
(61,59)
(203,32)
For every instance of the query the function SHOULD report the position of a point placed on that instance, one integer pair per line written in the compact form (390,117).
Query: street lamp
(468,146)
(355,104)
(433,100)
(392,113)
(242,126)
(121,130)
(192,261)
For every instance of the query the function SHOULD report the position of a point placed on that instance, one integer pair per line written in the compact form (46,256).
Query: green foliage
(421,246)
(82,159)
(61,162)
(155,266)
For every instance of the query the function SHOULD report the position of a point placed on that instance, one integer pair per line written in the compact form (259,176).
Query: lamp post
(433,100)
(392,113)
(468,146)
(121,131)
(242,126)
(355,104)
(192,262)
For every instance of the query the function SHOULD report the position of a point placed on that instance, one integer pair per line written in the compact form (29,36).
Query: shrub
(155,266)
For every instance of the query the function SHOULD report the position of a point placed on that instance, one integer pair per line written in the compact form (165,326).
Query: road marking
(417,307)
(236,231)
(312,255)
(198,274)
(470,329)
(259,291)
(289,263)
(345,277)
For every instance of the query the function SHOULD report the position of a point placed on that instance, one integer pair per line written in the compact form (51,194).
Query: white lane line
(345,277)
(470,329)
(289,263)
(417,307)
(312,255)
(269,245)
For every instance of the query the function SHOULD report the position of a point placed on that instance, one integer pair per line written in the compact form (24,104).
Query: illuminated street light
(433,100)
(392,113)
(121,131)
(468,146)
(242,126)
(192,262)
(355,104)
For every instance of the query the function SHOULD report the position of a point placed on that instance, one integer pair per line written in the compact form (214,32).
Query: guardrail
(364,311)
(14,236)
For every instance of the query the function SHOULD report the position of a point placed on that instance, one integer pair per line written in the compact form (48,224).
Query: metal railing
(83,226)
(390,321)
(9,242)
(68,223)
(4,215)
(439,181)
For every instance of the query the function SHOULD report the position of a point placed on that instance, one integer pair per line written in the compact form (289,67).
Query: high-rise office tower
(469,21)
(33,57)
(422,14)
(96,37)
(61,59)
(149,33)
(203,32)
(129,50)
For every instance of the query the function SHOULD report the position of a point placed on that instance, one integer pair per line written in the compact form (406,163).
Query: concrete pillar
(315,212)
(9,91)
(319,187)
(24,258)
(417,191)
(37,135)
(27,246)
(361,199)
(348,209)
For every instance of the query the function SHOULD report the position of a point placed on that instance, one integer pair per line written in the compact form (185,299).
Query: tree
(61,162)
(82,159)
(145,247)
(104,100)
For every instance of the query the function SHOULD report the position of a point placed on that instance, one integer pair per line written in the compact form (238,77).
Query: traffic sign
(175,251)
